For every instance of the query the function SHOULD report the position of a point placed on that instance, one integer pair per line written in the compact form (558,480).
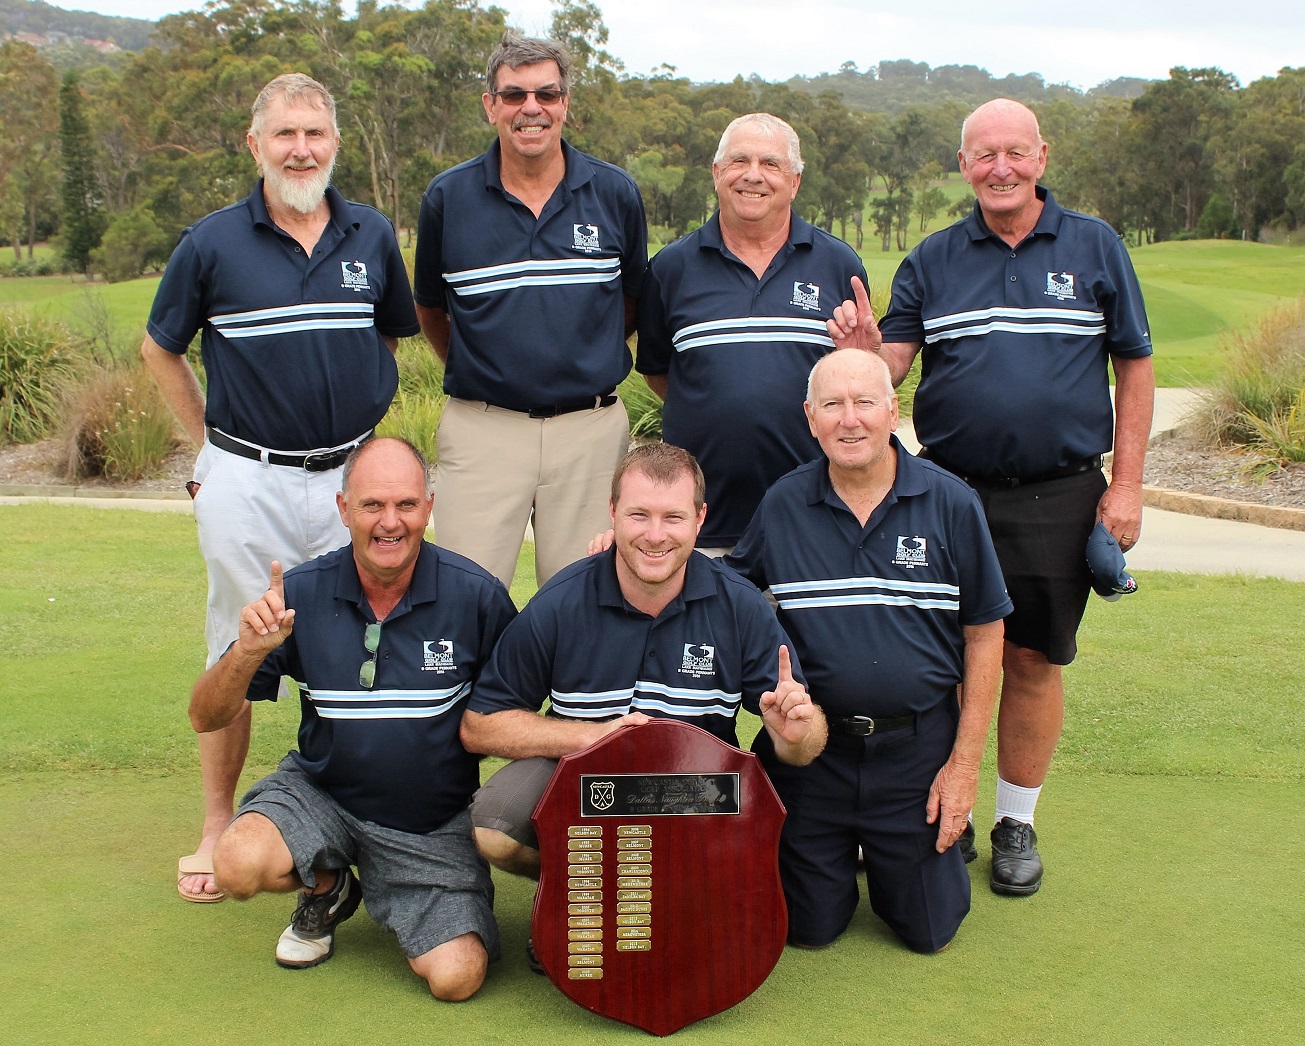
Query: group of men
(876,671)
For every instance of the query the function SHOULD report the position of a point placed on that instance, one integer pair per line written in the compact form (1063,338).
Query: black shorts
(1040,532)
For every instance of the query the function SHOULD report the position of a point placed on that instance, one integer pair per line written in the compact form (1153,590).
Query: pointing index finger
(276,582)
(862,297)
(785,666)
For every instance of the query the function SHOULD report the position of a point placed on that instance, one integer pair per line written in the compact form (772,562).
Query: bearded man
(299,297)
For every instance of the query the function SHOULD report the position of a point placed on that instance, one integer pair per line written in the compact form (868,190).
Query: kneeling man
(384,638)
(647,629)
(887,581)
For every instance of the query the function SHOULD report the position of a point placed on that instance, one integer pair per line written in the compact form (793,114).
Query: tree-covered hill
(35,16)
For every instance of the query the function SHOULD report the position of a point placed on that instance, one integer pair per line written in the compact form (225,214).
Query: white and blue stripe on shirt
(316,316)
(752,330)
(646,696)
(866,591)
(549,273)
(1085,323)
(384,704)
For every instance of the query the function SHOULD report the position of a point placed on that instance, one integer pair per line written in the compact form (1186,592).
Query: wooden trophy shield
(659,897)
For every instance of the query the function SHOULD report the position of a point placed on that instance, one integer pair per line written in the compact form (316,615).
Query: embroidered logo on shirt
(437,656)
(911,552)
(586,238)
(1060,285)
(353,275)
(806,296)
(699,660)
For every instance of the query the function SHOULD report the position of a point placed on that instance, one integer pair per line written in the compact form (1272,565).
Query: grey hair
(515,50)
(361,449)
(294,87)
(772,125)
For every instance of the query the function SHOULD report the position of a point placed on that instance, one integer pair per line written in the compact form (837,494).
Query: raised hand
(787,710)
(266,623)
(853,323)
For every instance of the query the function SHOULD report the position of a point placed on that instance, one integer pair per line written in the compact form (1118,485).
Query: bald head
(1004,113)
(857,363)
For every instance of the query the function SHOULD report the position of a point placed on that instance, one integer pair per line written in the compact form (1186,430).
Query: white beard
(302,195)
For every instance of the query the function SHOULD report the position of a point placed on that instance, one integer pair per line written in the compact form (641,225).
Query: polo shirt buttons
(1012,279)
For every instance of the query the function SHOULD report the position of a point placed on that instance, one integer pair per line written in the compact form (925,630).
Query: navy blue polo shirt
(536,306)
(292,345)
(390,754)
(737,351)
(1016,340)
(876,612)
(581,645)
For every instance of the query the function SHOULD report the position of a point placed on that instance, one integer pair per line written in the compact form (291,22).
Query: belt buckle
(320,462)
(861,725)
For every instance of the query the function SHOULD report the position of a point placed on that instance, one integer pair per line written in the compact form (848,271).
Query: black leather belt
(318,462)
(593,403)
(864,725)
(1074,468)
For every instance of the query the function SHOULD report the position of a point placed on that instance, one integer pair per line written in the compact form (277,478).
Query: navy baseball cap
(1106,562)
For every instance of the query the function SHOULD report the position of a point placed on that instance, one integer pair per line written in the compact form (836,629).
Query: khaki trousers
(500,470)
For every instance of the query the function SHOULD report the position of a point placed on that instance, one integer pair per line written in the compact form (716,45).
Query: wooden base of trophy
(659,897)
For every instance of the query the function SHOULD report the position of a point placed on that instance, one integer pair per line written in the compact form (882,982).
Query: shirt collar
(1048,221)
(578,168)
(800,233)
(911,478)
(340,216)
(422,589)
(698,582)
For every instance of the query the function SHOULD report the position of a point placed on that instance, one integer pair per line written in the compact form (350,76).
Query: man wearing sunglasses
(529,260)
(384,638)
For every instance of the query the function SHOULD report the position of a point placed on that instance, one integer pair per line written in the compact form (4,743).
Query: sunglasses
(371,640)
(544,96)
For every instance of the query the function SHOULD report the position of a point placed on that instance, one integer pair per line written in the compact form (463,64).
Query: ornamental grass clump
(38,362)
(1258,400)
(119,427)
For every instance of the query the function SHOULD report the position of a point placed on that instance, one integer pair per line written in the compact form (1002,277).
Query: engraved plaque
(585,922)
(708,927)
(616,795)
(584,895)
(587,831)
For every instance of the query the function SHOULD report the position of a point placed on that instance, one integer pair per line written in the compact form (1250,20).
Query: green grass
(1170,912)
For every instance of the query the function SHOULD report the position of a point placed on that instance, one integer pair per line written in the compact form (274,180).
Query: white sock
(1015,802)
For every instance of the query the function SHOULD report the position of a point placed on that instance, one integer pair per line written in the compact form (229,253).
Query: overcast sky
(1079,44)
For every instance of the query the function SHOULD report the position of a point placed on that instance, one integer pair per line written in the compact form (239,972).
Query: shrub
(419,404)
(1256,401)
(132,243)
(37,363)
(119,426)
(644,408)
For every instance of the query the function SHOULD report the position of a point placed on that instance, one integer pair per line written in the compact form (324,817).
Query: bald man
(1021,310)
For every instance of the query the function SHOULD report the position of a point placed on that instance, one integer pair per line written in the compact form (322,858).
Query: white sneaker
(309,940)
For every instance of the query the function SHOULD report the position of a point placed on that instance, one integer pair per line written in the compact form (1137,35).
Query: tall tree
(29,88)
(83,220)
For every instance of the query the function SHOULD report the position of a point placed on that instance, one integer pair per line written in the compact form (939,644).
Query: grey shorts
(425,889)
(506,801)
